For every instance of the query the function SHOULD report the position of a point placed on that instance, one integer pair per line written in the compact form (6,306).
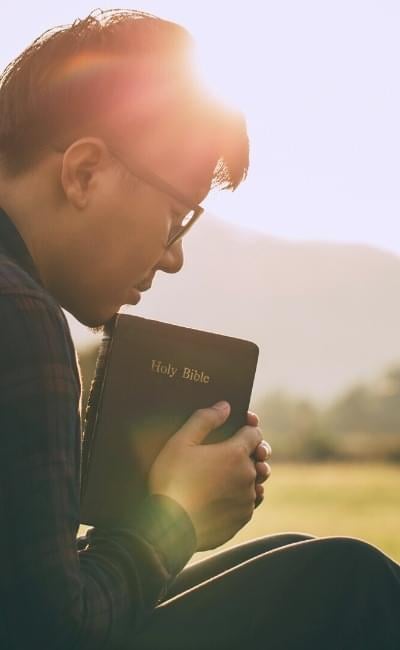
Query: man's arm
(51,595)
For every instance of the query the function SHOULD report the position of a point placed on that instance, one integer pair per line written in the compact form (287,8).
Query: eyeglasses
(194,211)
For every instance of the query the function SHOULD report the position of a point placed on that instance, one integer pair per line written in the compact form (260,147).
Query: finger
(247,437)
(252,419)
(259,490)
(263,451)
(260,454)
(259,495)
(203,421)
(263,472)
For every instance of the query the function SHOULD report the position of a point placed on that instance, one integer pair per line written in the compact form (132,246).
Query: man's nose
(172,259)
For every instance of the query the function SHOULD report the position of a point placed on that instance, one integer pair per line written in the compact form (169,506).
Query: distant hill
(324,315)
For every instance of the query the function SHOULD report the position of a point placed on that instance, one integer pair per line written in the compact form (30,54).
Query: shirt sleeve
(51,594)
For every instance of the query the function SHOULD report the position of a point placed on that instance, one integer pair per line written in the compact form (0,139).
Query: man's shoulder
(14,280)
(33,328)
(19,286)
(29,298)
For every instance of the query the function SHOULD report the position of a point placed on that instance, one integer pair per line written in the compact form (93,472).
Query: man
(106,143)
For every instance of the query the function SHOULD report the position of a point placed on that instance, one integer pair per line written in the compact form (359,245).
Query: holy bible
(150,378)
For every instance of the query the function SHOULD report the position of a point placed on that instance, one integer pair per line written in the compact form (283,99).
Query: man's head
(91,117)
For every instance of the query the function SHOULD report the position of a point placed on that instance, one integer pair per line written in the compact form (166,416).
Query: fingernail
(222,406)
(267,447)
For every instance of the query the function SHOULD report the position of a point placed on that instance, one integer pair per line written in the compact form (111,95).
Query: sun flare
(221,66)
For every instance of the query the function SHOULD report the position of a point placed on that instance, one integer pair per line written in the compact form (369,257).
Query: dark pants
(283,592)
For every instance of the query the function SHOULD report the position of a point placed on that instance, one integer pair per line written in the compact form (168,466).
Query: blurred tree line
(361,424)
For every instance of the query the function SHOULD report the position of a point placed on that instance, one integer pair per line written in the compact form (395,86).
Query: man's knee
(349,553)
(349,545)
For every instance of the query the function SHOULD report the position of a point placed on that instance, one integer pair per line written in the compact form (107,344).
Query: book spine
(94,402)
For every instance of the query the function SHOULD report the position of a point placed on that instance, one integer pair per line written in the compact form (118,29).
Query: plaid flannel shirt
(53,594)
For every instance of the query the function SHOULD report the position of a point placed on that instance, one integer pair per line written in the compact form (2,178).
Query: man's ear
(81,163)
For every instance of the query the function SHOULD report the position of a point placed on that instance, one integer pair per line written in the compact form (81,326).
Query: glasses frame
(158,183)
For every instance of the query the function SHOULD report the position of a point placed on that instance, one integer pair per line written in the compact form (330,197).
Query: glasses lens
(178,231)
(187,219)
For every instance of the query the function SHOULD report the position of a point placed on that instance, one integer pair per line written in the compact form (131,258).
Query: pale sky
(319,82)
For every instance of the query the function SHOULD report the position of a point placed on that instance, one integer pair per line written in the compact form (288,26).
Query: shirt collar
(14,246)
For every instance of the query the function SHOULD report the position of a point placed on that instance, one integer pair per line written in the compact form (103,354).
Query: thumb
(202,422)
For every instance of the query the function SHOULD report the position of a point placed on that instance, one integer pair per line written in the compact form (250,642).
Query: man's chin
(96,325)
(95,316)
(95,322)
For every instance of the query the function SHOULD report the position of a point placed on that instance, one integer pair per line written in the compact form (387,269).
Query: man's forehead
(192,182)
(184,160)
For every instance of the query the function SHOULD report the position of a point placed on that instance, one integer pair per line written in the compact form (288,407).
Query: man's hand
(215,484)
(261,455)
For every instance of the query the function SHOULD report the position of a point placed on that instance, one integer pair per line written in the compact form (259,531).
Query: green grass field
(357,500)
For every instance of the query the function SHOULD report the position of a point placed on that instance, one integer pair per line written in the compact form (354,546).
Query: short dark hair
(113,69)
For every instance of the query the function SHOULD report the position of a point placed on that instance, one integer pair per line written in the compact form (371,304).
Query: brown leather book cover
(150,378)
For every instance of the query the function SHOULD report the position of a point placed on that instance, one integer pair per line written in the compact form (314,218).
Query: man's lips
(134,293)
(143,287)
(134,296)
